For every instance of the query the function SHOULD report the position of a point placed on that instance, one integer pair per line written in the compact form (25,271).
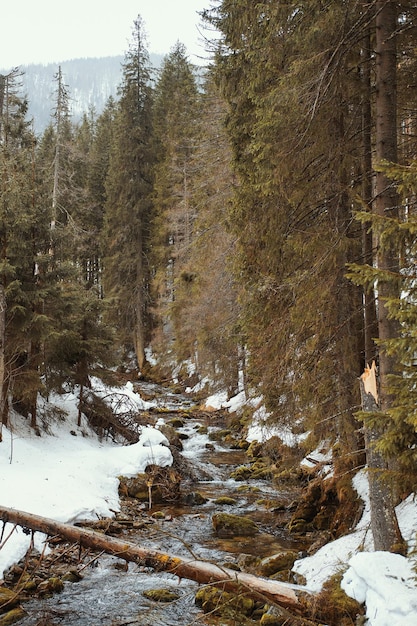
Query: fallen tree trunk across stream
(203,572)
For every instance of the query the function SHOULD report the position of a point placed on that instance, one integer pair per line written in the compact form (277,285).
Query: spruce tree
(24,244)
(175,113)
(128,201)
(292,121)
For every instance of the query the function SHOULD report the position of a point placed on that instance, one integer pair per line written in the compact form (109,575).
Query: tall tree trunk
(3,374)
(384,523)
(139,304)
(370,319)
(383,519)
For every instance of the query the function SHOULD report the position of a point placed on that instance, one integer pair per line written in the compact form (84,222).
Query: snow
(71,477)
(384,581)
(67,477)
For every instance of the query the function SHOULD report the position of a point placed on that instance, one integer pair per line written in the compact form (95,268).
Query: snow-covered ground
(69,475)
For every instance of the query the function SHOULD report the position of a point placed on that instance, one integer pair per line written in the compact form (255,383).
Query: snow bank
(385,582)
(67,477)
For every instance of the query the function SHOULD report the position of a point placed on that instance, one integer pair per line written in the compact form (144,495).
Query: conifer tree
(24,242)
(294,133)
(78,342)
(128,201)
(175,114)
(207,313)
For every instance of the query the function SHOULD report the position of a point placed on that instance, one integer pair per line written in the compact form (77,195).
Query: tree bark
(192,569)
(3,413)
(384,524)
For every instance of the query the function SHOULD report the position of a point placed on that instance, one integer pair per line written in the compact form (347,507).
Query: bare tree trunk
(384,524)
(3,413)
(383,519)
(199,571)
(370,319)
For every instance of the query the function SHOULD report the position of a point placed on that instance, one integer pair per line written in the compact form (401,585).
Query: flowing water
(108,596)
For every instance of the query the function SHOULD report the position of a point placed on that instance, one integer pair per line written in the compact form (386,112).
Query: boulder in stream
(227,525)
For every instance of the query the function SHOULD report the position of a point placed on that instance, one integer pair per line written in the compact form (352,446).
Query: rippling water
(107,596)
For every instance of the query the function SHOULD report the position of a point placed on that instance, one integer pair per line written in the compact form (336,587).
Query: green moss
(13,616)
(218,602)
(226,525)
(161,595)
(225,500)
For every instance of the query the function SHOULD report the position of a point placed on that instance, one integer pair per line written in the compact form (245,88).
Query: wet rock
(227,525)
(243,472)
(277,562)
(225,500)
(8,599)
(50,586)
(248,563)
(217,602)
(195,498)
(271,619)
(13,616)
(171,434)
(161,595)
(72,576)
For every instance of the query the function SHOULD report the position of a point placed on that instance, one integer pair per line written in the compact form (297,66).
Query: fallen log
(203,572)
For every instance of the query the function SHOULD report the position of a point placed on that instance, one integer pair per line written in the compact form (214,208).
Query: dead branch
(200,571)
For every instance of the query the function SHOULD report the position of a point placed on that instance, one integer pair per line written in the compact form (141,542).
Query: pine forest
(247,226)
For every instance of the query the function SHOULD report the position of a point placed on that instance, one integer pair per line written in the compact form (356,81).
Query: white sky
(44,31)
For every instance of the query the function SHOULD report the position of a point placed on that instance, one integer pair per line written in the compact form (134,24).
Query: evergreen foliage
(128,201)
(214,221)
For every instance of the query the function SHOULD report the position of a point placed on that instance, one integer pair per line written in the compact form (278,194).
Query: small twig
(92,561)
(8,536)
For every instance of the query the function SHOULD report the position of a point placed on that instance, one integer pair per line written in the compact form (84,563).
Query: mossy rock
(8,599)
(50,586)
(283,560)
(298,526)
(13,616)
(261,471)
(217,602)
(176,422)
(202,430)
(219,435)
(254,449)
(227,525)
(161,595)
(135,487)
(195,498)
(333,606)
(243,472)
(72,577)
(249,563)
(248,488)
(225,500)
(271,619)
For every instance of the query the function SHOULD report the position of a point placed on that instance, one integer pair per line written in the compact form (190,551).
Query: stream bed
(111,592)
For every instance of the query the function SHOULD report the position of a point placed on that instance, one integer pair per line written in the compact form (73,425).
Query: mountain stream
(111,592)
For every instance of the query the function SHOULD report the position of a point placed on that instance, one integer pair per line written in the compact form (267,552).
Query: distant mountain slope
(90,83)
